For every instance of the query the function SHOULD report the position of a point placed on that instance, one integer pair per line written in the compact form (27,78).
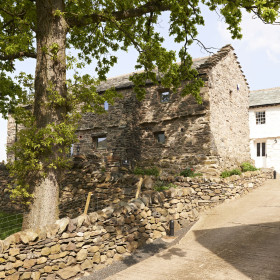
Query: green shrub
(146,171)
(247,166)
(189,172)
(9,224)
(228,173)
(162,186)
(225,174)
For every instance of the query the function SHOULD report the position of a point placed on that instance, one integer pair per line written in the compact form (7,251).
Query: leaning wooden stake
(139,184)
(87,203)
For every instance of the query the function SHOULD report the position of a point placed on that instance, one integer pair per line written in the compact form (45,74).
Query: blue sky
(258,53)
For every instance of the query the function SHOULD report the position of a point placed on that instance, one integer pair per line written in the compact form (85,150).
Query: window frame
(260,117)
(95,141)
(158,138)
(161,92)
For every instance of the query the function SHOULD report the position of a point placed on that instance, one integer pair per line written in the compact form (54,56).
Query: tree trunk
(50,73)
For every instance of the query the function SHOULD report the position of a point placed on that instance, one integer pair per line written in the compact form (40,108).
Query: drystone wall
(5,202)
(84,176)
(71,248)
(229,117)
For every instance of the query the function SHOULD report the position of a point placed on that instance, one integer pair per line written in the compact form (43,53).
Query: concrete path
(236,240)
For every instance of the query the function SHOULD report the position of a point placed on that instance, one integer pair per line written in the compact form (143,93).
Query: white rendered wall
(271,128)
(268,133)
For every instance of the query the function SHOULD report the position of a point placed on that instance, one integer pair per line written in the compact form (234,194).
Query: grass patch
(247,166)
(189,172)
(228,173)
(162,186)
(9,224)
(146,171)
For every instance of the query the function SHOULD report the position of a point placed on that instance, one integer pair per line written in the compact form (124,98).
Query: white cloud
(257,36)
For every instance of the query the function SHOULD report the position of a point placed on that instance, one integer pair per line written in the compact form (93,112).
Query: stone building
(264,117)
(170,131)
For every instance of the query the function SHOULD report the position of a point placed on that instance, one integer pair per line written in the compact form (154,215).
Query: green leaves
(97,30)
(11,94)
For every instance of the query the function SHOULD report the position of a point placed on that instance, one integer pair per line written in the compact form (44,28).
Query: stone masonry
(71,248)
(210,137)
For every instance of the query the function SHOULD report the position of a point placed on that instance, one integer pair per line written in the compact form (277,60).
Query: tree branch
(153,6)
(18,55)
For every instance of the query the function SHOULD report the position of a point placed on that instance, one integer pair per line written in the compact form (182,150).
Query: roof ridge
(258,90)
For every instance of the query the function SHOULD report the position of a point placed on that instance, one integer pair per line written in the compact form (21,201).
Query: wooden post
(87,203)
(139,184)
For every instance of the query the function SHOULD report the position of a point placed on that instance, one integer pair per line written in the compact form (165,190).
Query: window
(160,136)
(106,106)
(100,142)
(260,117)
(165,96)
(261,149)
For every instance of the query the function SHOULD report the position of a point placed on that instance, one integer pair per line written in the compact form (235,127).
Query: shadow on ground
(253,249)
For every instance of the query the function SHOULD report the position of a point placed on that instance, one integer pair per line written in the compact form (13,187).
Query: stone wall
(229,116)
(75,247)
(5,202)
(210,136)
(131,128)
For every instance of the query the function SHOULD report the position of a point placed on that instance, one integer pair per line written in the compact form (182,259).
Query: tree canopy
(97,30)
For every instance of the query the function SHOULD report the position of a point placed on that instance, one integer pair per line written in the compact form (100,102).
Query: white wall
(271,128)
(268,133)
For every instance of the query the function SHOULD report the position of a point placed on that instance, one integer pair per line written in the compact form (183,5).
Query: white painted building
(264,122)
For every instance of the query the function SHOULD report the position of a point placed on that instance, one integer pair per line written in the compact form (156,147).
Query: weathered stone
(35,275)
(63,223)
(86,264)
(93,249)
(70,247)
(148,182)
(47,269)
(96,258)
(32,235)
(71,260)
(93,217)
(14,276)
(46,251)
(120,249)
(69,272)
(18,263)
(29,263)
(41,260)
(55,249)
(25,276)
(82,255)
(14,251)
(52,230)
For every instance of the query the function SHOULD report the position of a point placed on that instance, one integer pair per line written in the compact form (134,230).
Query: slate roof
(121,82)
(203,66)
(265,97)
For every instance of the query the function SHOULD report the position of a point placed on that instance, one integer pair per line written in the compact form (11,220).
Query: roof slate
(123,81)
(265,97)
(203,65)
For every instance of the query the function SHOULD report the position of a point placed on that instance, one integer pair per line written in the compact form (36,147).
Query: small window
(100,142)
(260,117)
(160,136)
(165,96)
(106,106)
